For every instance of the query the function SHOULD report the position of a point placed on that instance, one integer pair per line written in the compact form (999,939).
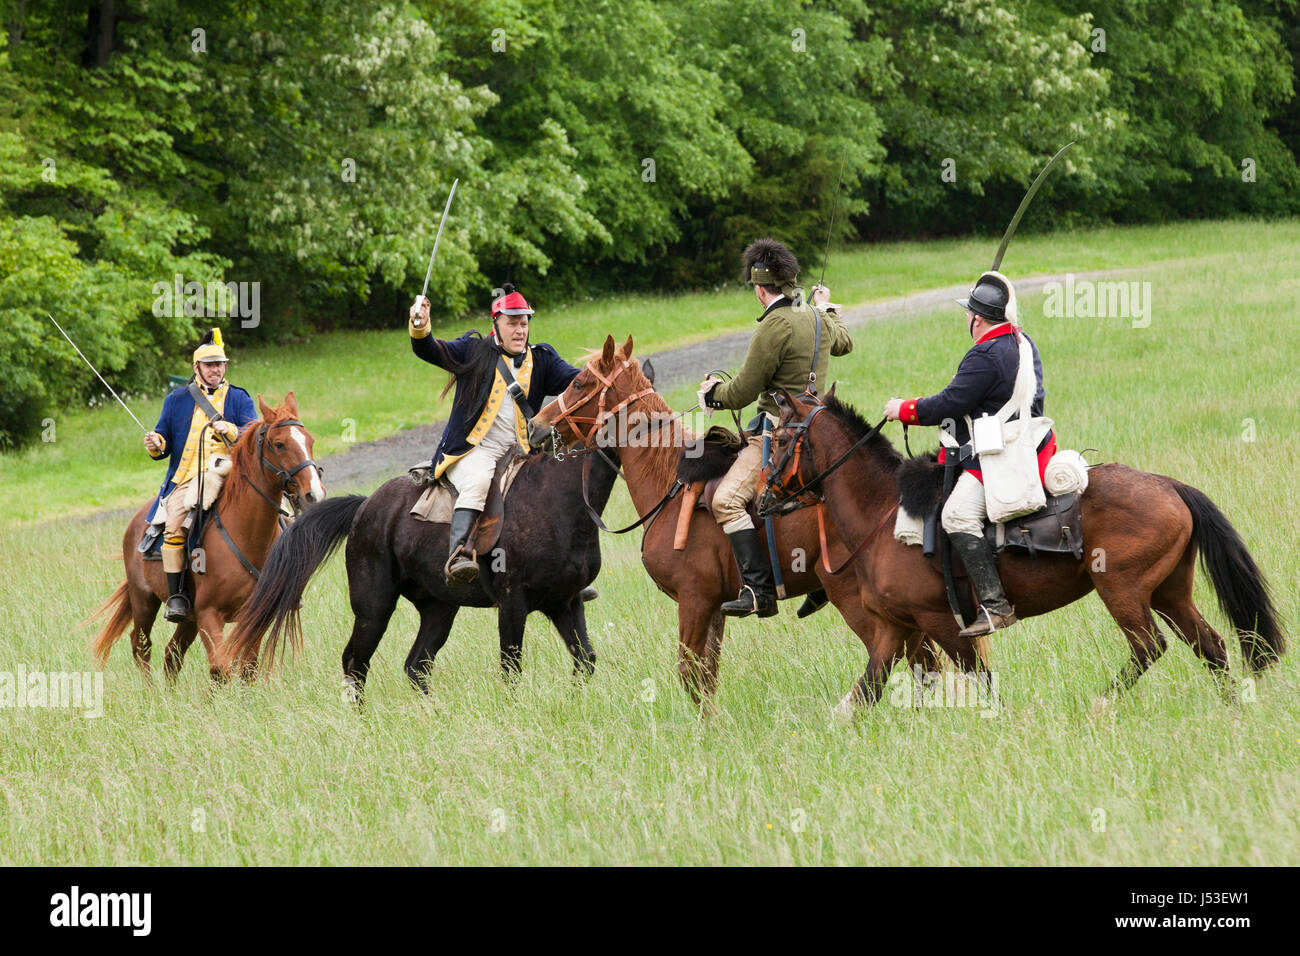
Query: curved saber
(96,371)
(831,228)
(1024,204)
(437,239)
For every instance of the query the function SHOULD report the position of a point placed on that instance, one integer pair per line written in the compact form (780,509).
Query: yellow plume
(216,339)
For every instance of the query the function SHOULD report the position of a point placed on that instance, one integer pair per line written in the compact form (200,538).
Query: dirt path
(364,465)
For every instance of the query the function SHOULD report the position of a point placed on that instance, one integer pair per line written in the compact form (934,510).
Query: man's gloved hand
(153,443)
(419,312)
(707,386)
(226,430)
(821,298)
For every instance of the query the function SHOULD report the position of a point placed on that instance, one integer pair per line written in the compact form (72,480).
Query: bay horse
(705,574)
(271,459)
(548,552)
(1141,535)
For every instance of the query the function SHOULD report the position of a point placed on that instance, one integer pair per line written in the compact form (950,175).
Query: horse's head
(283,447)
(791,467)
(610,381)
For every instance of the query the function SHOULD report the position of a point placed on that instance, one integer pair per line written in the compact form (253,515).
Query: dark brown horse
(1141,534)
(271,458)
(611,388)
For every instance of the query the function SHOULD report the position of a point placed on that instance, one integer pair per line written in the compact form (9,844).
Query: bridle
(276,467)
(779,498)
(603,415)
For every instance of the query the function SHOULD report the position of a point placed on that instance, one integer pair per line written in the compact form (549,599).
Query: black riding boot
(757,592)
(813,602)
(178,602)
(461,568)
(995,612)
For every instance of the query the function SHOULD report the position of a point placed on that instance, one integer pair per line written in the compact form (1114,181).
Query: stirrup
(985,623)
(461,568)
(178,615)
(742,608)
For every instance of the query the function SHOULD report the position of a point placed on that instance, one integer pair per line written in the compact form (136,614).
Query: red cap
(511,304)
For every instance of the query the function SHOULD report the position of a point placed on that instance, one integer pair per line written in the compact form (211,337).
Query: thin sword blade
(437,239)
(1024,204)
(97,375)
(834,206)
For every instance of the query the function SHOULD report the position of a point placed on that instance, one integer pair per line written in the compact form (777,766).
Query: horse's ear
(291,404)
(265,410)
(830,392)
(607,357)
(627,347)
(648,370)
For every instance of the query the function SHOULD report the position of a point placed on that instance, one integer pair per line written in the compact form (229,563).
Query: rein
(276,467)
(773,482)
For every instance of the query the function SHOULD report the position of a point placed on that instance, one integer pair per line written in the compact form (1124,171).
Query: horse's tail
(119,620)
(274,603)
(1238,582)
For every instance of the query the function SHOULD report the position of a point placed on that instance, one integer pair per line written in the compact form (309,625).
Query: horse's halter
(603,415)
(276,467)
(779,497)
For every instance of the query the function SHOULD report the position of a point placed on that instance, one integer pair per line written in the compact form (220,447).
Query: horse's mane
(243,461)
(857,426)
(662,466)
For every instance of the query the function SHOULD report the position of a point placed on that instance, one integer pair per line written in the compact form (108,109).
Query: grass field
(623,770)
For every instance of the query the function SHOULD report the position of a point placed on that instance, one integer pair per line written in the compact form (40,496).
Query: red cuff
(907,412)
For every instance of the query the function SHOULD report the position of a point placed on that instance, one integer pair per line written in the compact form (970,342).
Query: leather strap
(514,388)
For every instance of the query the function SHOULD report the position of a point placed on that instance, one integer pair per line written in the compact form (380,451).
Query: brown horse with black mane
(1147,527)
(704,575)
(271,459)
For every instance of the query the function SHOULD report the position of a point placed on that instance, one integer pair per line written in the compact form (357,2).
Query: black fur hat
(768,262)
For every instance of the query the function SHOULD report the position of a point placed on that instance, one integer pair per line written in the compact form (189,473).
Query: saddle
(1056,528)
(438,500)
(702,473)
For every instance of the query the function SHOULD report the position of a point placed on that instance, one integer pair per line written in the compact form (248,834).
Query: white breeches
(964,512)
(472,475)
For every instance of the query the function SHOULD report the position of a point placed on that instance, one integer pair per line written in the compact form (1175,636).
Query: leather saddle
(700,474)
(438,501)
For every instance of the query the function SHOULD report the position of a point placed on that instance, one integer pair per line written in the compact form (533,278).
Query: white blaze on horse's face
(317,489)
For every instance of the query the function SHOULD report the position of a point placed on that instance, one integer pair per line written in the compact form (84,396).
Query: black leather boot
(462,568)
(757,592)
(178,602)
(813,602)
(995,612)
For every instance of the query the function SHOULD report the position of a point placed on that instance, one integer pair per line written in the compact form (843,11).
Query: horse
(705,574)
(1146,528)
(269,461)
(548,552)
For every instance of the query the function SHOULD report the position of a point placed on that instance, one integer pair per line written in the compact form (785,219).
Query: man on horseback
(500,380)
(791,349)
(181,437)
(983,384)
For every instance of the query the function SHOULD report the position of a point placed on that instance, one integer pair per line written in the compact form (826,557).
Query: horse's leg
(885,646)
(1131,610)
(436,618)
(698,673)
(1173,601)
(144,611)
(370,620)
(512,614)
(176,648)
(211,624)
(571,622)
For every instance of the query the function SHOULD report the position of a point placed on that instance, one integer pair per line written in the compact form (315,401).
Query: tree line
(307,147)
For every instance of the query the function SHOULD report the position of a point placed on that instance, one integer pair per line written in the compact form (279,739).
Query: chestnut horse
(271,459)
(705,574)
(1141,533)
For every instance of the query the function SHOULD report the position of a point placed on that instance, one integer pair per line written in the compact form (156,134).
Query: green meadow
(623,769)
